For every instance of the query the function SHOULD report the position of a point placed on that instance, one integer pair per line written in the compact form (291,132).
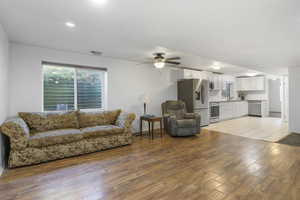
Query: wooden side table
(151,121)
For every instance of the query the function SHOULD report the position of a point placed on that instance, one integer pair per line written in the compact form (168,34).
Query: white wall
(294,99)
(274,95)
(4,60)
(126,81)
(285,98)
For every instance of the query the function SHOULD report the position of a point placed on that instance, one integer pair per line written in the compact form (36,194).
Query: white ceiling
(197,62)
(259,34)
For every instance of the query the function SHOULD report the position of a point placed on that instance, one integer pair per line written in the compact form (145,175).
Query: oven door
(214,112)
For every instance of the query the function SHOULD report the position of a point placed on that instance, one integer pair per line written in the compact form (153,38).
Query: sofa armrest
(125,120)
(17,131)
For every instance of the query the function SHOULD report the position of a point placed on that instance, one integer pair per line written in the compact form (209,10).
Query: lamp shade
(146,98)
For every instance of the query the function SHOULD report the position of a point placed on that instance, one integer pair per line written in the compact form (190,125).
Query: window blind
(71,88)
(89,88)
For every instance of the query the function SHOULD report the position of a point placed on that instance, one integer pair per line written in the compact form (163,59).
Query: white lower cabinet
(242,108)
(224,111)
(229,110)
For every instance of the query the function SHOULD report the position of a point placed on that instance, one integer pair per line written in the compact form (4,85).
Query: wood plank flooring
(210,166)
(267,128)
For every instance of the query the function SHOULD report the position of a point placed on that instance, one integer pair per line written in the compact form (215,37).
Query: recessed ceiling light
(216,67)
(70,24)
(99,2)
(251,74)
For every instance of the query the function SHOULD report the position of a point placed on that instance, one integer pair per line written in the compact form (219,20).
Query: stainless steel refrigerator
(195,94)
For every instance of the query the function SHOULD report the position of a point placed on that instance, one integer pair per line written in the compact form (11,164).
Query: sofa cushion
(97,131)
(186,123)
(48,138)
(99,118)
(46,121)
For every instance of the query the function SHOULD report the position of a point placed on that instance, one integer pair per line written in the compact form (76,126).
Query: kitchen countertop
(257,100)
(235,100)
(222,101)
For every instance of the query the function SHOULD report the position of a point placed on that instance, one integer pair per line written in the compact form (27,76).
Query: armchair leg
(141,127)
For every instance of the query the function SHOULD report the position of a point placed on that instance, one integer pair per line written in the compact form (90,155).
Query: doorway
(275,100)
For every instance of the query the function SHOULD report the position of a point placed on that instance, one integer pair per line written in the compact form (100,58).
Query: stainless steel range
(214,112)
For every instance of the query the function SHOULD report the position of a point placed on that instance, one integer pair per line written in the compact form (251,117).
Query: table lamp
(146,100)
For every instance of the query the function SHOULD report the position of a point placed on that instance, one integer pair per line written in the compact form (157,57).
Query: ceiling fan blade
(174,58)
(172,62)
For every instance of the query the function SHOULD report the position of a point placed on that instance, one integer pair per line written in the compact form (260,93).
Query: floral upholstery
(54,137)
(18,132)
(31,155)
(88,119)
(125,120)
(27,149)
(97,131)
(46,121)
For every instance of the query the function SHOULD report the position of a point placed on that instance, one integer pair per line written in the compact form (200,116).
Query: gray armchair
(177,121)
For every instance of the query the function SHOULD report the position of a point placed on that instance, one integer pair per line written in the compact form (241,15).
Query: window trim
(75,66)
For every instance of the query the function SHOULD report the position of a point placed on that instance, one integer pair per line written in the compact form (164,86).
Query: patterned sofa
(41,137)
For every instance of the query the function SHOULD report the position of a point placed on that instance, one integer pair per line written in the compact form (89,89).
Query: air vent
(96,53)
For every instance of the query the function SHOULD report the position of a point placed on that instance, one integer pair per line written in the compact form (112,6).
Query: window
(68,87)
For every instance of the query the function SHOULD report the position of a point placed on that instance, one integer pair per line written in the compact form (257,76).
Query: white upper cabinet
(193,74)
(215,82)
(251,83)
(259,83)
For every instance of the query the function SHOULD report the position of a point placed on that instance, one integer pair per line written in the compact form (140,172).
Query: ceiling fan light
(159,64)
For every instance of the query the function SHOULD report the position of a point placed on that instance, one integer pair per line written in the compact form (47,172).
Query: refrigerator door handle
(198,97)
(202,94)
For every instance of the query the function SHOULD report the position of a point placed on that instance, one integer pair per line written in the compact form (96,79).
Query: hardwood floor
(267,128)
(210,166)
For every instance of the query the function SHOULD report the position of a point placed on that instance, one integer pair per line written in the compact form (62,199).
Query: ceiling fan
(160,61)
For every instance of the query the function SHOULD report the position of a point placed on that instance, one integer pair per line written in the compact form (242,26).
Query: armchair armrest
(191,115)
(17,131)
(125,120)
(169,116)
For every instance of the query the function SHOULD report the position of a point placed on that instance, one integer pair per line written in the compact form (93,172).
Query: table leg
(141,127)
(149,129)
(152,130)
(161,133)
